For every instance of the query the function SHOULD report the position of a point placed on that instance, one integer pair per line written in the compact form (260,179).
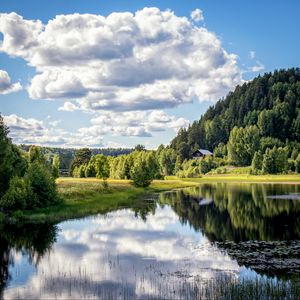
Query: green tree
(11,161)
(102,168)
(82,156)
(167,159)
(269,163)
(55,166)
(257,161)
(139,147)
(142,173)
(243,142)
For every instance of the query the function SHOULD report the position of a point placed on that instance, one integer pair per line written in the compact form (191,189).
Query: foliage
(139,147)
(55,166)
(271,102)
(11,162)
(144,169)
(17,195)
(297,164)
(166,158)
(275,161)
(243,142)
(257,162)
(82,156)
(42,186)
(101,166)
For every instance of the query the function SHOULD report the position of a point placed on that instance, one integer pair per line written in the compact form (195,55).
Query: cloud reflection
(121,256)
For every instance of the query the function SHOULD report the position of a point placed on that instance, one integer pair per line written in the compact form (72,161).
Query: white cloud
(32,131)
(107,257)
(258,67)
(6,86)
(148,60)
(197,15)
(133,123)
(68,106)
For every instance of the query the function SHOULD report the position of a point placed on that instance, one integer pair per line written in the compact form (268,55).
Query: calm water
(184,244)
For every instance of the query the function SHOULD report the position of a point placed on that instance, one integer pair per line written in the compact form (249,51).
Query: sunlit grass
(87,196)
(242,177)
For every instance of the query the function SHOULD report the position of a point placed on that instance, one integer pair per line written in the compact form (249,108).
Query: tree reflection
(35,240)
(238,212)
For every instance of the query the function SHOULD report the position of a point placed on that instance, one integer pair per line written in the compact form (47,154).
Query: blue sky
(126,79)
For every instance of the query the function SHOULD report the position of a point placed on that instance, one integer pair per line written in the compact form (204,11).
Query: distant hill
(271,101)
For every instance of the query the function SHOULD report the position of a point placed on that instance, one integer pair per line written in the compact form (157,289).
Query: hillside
(271,102)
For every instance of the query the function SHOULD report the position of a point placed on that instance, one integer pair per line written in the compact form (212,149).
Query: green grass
(86,196)
(243,178)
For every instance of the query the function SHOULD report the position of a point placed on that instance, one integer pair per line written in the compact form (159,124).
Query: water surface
(181,244)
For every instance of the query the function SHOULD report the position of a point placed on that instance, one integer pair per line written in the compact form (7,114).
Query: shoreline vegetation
(84,197)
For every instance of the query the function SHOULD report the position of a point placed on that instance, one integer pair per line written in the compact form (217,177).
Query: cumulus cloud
(151,59)
(68,106)
(32,131)
(133,123)
(6,86)
(197,15)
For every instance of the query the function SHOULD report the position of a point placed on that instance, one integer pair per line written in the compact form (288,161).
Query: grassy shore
(87,196)
(295,179)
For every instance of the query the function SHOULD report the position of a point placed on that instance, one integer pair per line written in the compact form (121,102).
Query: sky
(120,73)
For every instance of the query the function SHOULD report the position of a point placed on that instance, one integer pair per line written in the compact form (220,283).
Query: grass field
(86,196)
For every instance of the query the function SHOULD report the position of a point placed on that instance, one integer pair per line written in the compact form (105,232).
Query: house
(201,153)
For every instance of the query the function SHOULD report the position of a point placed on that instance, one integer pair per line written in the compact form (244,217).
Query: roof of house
(204,152)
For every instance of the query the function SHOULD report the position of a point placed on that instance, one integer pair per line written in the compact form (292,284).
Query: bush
(257,162)
(42,186)
(144,170)
(140,175)
(17,195)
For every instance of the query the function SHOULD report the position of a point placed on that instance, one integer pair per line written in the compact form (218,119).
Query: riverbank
(246,178)
(87,196)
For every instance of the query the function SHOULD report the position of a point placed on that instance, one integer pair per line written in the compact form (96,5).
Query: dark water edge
(216,241)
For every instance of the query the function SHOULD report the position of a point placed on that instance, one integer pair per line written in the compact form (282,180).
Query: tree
(11,162)
(102,168)
(55,166)
(257,162)
(167,159)
(139,147)
(275,161)
(42,186)
(243,142)
(82,156)
(142,173)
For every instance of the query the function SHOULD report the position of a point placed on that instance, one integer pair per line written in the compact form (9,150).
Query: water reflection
(175,247)
(251,222)
(238,212)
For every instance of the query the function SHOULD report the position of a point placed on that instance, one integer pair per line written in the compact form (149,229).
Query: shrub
(257,162)
(42,186)
(17,195)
